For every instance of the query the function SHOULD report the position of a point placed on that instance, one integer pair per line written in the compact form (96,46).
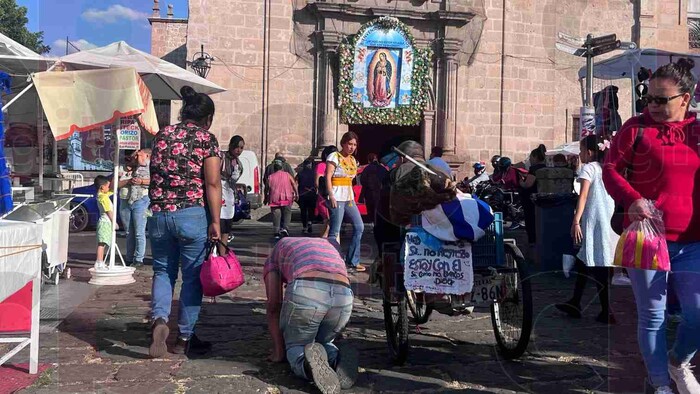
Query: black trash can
(554,213)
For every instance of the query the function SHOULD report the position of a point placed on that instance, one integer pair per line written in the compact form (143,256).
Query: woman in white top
(341,169)
(591,229)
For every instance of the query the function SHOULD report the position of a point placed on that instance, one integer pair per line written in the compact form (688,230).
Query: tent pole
(115,185)
(40,141)
(634,92)
(20,94)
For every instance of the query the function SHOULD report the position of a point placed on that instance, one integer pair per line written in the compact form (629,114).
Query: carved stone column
(426,130)
(447,105)
(327,105)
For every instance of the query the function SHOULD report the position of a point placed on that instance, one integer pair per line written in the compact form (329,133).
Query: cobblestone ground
(98,341)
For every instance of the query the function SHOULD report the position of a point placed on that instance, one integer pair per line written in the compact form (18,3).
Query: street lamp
(201,63)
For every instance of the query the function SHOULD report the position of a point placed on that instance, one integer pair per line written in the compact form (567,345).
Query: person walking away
(371,180)
(659,152)
(104,224)
(591,229)
(316,306)
(283,193)
(437,161)
(340,170)
(269,169)
(323,191)
(185,195)
(528,187)
(231,171)
(134,208)
(306,181)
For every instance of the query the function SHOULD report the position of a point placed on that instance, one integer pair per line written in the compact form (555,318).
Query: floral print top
(177,166)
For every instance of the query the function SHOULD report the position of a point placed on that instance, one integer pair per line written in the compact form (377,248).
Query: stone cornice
(167,20)
(328,40)
(323,9)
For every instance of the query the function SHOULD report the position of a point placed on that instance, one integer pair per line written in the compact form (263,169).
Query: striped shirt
(294,256)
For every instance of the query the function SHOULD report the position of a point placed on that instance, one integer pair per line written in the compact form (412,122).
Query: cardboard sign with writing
(447,270)
(129,137)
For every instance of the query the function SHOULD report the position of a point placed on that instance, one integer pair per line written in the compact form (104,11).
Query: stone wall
(234,36)
(169,40)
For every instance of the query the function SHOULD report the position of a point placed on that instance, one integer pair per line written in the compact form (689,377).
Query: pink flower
(172,165)
(171,208)
(157,192)
(155,208)
(179,145)
(176,151)
(181,135)
(199,152)
(161,144)
(171,195)
(199,194)
(157,179)
(190,194)
(197,181)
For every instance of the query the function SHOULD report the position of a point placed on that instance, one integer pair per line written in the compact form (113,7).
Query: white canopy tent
(627,64)
(18,60)
(163,78)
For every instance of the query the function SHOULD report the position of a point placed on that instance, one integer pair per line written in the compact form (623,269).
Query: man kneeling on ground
(316,307)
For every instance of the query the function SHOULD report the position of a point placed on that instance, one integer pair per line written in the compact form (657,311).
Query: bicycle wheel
(419,309)
(396,326)
(511,315)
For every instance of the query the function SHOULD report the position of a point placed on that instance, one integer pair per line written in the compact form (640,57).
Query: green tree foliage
(13,23)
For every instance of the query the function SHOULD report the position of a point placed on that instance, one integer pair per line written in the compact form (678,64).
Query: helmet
(479,165)
(504,162)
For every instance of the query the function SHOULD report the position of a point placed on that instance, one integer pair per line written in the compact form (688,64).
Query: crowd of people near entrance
(180,188)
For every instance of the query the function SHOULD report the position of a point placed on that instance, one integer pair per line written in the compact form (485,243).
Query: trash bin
(554,213)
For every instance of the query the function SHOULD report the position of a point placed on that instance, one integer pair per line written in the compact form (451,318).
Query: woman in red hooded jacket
(663,165)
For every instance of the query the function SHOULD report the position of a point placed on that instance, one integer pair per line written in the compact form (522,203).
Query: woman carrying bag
(658,152)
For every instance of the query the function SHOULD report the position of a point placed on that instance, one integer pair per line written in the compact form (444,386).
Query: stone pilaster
(448,67)
(327,107)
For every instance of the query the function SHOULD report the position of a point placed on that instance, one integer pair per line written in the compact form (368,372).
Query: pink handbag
(220,274)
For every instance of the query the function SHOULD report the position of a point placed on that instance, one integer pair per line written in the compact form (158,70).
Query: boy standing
(104,224)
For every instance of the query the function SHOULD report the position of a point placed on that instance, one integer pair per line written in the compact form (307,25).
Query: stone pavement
(101,345)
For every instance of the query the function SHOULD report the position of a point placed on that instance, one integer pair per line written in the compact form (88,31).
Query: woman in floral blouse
(185,193)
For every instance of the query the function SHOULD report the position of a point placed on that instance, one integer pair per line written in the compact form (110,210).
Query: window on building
(694,23)
(575,127)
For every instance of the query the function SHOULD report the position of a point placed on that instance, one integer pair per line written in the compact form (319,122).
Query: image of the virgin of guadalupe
(379,84)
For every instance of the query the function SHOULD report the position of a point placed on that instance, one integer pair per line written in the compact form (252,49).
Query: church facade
(477,77)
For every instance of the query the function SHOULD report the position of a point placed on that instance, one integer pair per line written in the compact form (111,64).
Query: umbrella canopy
(84,100)
(18,59)
(627,64)
(163,78)
(569,149)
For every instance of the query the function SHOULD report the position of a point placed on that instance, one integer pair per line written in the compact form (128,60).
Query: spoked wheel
(419,309)
(396,326)
(511,315)
(79,219)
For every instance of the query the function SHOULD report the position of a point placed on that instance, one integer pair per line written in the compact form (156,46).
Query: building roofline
(168,20)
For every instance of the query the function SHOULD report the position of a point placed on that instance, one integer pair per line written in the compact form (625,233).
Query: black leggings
(307,204)
(601,276)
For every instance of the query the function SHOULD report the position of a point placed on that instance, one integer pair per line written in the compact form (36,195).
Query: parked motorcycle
(501,200)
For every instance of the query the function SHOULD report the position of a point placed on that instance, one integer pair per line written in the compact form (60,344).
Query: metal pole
(115,185)
(589,74)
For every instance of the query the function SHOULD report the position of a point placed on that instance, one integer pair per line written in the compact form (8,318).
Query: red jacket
(665,168)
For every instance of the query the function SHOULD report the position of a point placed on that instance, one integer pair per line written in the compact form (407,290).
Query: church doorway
(380,138)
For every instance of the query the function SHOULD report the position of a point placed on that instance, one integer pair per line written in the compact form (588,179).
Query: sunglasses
(661,100)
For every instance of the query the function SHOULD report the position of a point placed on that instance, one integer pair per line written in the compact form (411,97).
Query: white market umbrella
(16,59)
(163,78)
(569,149)
(627,64)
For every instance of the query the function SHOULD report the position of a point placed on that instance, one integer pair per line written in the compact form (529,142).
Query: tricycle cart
(500,283)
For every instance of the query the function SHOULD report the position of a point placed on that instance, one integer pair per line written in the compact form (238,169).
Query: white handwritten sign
(447,270)
(129,137)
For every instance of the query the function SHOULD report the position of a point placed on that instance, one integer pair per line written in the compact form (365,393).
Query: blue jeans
(650,290)
(313,311)
(134,220)
(177,238)
(348,208)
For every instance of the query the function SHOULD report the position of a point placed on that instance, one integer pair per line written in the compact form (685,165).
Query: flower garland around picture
(402,115)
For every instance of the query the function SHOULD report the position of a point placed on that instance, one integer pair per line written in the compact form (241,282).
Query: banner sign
(587,121)
(129,137)
(447,270)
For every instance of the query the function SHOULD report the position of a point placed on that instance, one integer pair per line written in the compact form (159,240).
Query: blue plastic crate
(488,251)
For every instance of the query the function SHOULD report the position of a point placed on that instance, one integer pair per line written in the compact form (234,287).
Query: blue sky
(91,23)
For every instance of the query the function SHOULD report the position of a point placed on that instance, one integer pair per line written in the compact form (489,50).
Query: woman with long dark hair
(231,171)
(340,171)
(185,193)
(658,151)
